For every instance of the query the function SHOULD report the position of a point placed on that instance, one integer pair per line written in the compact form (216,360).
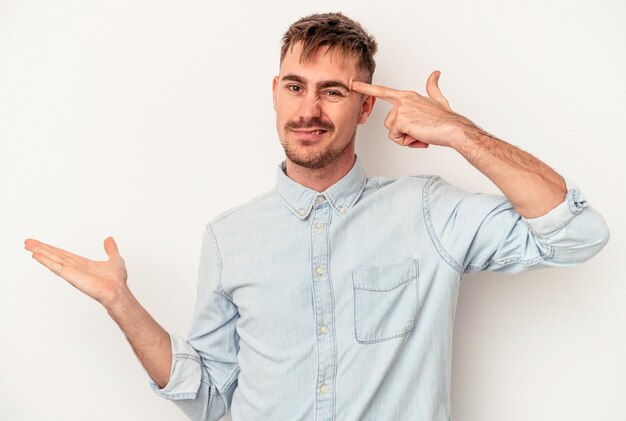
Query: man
(335,292)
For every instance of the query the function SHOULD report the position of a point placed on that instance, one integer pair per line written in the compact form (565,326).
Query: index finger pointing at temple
(375,90)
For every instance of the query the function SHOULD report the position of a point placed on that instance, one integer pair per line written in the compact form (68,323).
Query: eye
(333,93)
(294,88)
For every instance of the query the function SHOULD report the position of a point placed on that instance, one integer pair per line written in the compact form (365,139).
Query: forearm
(150,342)
(531,186)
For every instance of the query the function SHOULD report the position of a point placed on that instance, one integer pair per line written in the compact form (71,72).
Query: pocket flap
(385,277)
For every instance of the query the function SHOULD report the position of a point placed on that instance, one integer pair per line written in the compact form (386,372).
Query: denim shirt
(340,305)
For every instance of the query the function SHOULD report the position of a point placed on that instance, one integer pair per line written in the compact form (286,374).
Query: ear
(366,108)
(274,87)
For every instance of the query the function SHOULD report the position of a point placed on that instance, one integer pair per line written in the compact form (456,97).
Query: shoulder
(409,181)
(431,190)
(382,181)
(243,211)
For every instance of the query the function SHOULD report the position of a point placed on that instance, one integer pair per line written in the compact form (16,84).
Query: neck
(319,179)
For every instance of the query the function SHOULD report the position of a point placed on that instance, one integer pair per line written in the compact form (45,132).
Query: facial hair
(314,159)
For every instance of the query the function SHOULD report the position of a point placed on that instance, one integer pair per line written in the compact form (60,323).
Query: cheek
(282,109)
(347,107)
(342,113)
(286,105)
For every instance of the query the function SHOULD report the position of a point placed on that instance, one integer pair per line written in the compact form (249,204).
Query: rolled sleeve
(205,368)
(562,214)
(185,375)
(191,388)
(574,231)
(483,232)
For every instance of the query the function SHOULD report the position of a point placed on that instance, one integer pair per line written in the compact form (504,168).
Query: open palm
(98,279)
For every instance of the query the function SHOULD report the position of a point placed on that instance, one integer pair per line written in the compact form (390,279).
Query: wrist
(468,139)
(118,301)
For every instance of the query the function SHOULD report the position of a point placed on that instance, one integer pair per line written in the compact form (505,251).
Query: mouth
(309,134)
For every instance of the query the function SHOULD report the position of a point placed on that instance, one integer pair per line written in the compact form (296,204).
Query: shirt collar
(341,196)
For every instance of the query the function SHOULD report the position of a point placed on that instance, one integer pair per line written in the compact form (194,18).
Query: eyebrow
(322,84)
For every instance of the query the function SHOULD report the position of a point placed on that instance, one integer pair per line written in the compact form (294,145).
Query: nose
(309,106)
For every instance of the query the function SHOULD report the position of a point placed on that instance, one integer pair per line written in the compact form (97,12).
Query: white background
(145,119)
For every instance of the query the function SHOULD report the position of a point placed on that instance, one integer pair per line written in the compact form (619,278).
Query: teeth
(313,132)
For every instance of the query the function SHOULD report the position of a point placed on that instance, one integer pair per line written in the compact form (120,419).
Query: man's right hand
(101,280)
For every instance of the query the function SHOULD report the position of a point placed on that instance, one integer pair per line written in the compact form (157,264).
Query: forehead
(324,64)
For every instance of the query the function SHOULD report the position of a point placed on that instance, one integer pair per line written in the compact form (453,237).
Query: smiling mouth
(309,134)
(315,132)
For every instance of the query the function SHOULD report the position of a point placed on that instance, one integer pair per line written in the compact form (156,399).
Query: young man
(335,292)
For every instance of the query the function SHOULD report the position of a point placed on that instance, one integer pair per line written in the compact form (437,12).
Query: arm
(199,374)
(150,342)
(530,185)
(417,121)
(105,282)
(543,218)
(483,232)
(205,368)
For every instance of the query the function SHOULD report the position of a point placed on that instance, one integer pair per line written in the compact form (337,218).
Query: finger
(432,87)
(30,244)
(390,118)
(396,135)
(41,248)
(383,92)
(110,247)
(70,273)
(64,253)
(60,256)
(413,143)
(54,266)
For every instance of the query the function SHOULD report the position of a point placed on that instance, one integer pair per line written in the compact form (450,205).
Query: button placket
(324,307)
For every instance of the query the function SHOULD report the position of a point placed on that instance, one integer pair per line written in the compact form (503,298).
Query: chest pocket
(385,300)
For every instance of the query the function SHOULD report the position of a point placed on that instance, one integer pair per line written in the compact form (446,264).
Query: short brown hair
(335,31)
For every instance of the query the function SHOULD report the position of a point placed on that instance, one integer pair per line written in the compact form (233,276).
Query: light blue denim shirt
(340,305)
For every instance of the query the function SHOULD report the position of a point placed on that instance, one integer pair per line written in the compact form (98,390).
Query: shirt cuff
(186,372)
(562,214)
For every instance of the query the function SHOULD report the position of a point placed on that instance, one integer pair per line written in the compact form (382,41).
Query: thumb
(432,88)
(411,142)
(110,247)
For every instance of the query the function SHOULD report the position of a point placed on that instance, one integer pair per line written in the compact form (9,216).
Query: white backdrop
(145,119)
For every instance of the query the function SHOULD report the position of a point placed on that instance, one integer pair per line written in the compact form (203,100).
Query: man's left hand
(417,121)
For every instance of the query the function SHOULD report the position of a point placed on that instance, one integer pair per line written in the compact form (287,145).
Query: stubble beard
(315,159)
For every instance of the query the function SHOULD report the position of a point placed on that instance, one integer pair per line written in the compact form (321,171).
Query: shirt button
(324,329)
(319,270)
(342,210)
(320,198)
(318,225)
(324,388)
(301,212)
